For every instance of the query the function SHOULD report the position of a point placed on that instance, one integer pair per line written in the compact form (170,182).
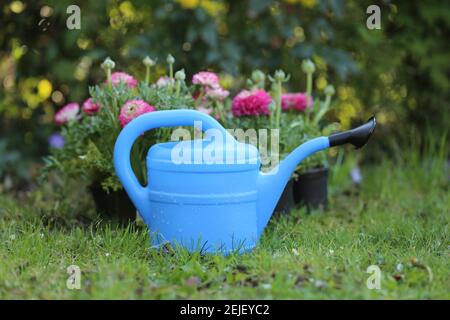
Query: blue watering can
(211,206)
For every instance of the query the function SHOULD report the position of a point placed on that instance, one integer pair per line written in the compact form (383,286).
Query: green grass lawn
(399,221)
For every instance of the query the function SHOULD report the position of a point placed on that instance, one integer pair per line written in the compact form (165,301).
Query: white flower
(164,81)
(266,286)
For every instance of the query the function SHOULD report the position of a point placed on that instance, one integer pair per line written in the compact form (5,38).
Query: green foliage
(403,68)
(11,163)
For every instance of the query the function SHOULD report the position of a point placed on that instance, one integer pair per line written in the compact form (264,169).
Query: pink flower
(90,107)
(216,93)
(297,101)
(251,103)
(204,110)
(133,109)
(206,78)
(118,77)
(164,81)
(67,113)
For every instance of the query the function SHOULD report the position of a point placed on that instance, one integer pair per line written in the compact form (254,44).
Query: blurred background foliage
(400,73)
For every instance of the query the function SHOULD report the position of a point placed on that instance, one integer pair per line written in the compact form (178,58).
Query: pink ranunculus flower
(164,81)
(296,101)
(90,107)
(117,77)
(206,78)
(133,109)
(216,93)
(67,113)
(251,103)
(204,110)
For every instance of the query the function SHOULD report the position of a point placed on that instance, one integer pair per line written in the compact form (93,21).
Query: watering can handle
(145,122)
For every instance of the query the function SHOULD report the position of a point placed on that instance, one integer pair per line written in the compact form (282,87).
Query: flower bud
(279,76)
(170,59)
(108,64)
(258,76)
(329,90)
(180,75)
(308,66)
(148,62)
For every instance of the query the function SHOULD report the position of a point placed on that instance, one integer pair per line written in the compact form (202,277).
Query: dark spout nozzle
(357,136)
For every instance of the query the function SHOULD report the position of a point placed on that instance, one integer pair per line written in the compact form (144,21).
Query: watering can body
(211,208)
(207,194)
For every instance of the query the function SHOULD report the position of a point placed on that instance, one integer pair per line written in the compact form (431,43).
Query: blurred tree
(403,69)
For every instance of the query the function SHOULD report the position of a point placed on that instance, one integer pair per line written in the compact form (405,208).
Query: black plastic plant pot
(115,206)
(311,188)
(286,202)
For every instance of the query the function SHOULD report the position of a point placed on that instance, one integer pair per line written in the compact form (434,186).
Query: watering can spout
(357,136)
(271,184)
